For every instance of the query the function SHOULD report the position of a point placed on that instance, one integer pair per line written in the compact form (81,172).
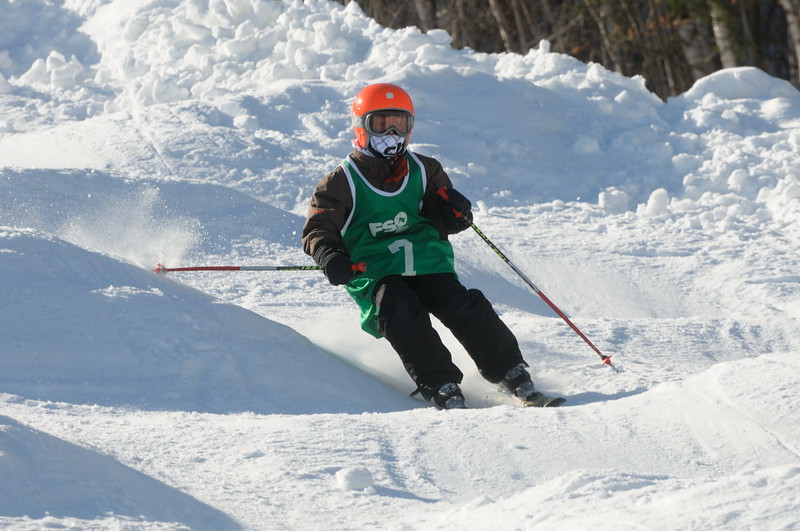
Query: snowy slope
(191,133)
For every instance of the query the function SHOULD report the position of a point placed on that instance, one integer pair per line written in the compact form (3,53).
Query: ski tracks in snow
(724,408)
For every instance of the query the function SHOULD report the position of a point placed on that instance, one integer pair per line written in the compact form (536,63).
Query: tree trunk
(502,24)
(696,42)
(724,34)
(426,11)
(791,9)
(520,24)
(598,10)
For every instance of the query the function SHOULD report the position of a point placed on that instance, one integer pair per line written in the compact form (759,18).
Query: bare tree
(697,41)
(426,11)
(502,25)
(791,9)
(723,33)
(671,43)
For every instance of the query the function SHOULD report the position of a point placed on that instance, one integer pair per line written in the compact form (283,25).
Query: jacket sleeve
(331,203)
(431,202)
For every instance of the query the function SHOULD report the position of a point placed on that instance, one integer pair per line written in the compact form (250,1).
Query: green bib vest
(387,232)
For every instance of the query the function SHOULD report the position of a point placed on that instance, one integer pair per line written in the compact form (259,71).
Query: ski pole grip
(442,192)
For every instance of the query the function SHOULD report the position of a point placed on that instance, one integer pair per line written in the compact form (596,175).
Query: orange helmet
(382,97)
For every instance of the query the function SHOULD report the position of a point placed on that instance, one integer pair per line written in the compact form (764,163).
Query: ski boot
(449,396)
(517,382)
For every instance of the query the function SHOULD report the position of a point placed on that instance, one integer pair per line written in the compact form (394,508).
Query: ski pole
(163,269)
(605,360)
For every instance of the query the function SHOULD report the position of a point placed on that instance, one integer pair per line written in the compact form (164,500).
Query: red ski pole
(605,360)
(163,269)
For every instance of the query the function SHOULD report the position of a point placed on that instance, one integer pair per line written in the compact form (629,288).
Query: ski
(542,400)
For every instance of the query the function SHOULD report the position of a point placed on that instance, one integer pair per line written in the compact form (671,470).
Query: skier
(378,225)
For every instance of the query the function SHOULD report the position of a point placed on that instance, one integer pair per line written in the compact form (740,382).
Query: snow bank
(45,478)
(736,134)
(154,344)
(552,128)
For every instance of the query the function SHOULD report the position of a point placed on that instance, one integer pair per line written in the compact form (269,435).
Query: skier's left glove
(454,211)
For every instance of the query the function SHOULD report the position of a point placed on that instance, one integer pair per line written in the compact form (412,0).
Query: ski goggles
(382,123)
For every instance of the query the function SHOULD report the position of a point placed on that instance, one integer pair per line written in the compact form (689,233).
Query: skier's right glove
(336,265)
(338,268)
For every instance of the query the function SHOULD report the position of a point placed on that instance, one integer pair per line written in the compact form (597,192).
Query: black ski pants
(404,308)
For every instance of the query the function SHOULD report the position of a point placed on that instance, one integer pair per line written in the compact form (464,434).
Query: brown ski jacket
(332,201)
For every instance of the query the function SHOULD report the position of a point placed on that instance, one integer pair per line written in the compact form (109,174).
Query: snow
(190,132)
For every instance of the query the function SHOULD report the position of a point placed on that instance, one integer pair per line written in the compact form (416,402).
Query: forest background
(671,43)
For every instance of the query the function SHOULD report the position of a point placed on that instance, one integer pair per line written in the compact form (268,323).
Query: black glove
(453,211)
(337,267)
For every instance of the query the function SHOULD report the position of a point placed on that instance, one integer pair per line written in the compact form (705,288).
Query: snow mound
(356,478)
(151,343)
(45,477)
